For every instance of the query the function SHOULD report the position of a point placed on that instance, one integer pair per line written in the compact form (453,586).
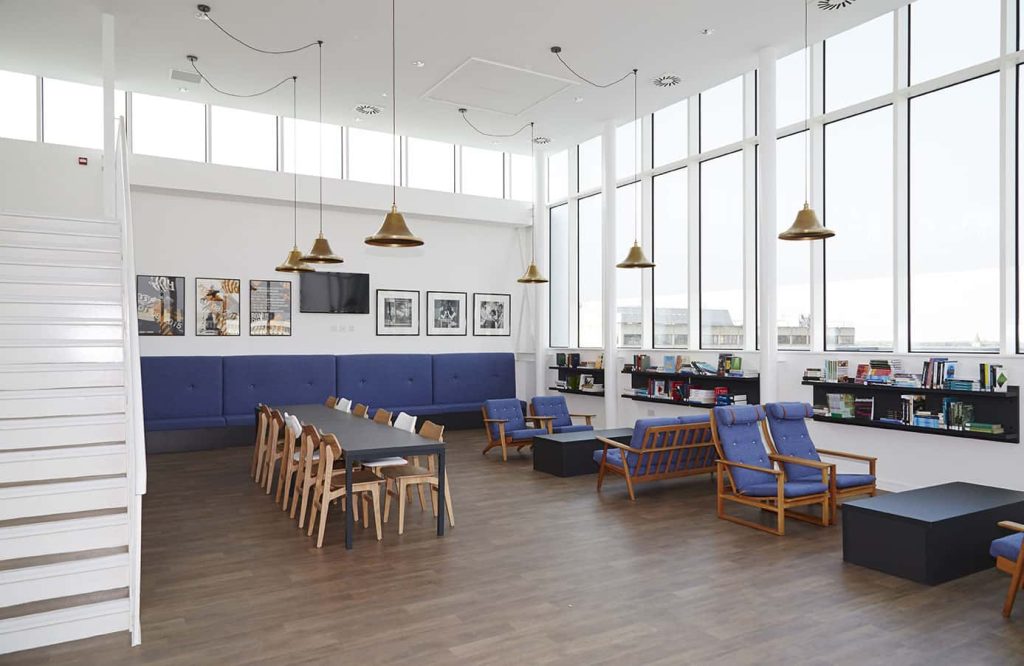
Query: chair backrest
(382,416)
(293,424)
(737,433)
(789,437)
(661,447)
(405,422)
(331,401)
(330,451)
(552,405)
(262,423)
(309,442)
(276,427)
(359,410)
(509,409)
(431,430)
(344,405)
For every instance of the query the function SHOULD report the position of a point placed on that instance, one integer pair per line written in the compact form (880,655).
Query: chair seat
(359,477)
(385,462)
(790,489)
(1007,546)
(640,462)
(572,428)
(407,470)
(526,433)
(298,456)
(844,481)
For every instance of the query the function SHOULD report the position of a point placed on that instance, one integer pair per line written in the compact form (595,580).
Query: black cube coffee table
(930,535)
(572,453)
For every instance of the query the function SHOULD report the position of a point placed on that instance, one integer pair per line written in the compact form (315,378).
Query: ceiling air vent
(187,77)
(667,80)
(828,5)
(369,109)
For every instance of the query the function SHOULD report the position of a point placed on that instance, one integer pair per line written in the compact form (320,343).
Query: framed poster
(270,307)
(160,302)
(218,306)
(446,313)
(492,314)
(398,312)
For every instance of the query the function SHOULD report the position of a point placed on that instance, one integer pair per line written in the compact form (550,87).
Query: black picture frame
(434,318)
(392,312)
(268,314)
(492,315)
(153,292)
(204,320)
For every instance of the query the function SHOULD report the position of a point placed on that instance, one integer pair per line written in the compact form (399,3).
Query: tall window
(243,138)
(589,164)
(721,252)
(369,156)
(671,300)
(627,138)
(559,272)
(167,127)
(947,35)
(483,172)
(670,134)
(431,165)
(558,176)
(791,88)
(954,218)
(629,301)
(859,63)
(721,114)
(590,261)
(18,110)
(793,299)
(520,178)
(72,114)
(310,149)
(859,208)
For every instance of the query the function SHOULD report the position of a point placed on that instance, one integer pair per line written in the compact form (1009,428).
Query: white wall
(47,179)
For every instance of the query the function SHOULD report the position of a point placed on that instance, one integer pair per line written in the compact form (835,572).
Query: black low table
(572,453)
(930,535)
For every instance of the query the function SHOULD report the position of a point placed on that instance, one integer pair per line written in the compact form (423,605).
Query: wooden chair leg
(314,506)
(504,451)
(1015,583)
(600,476)
(448,500)
(419,494)
(302,505)
(366,511)
(401,507)
(285,486)
(387,499)
(375,493)
(323,524)
(629,484)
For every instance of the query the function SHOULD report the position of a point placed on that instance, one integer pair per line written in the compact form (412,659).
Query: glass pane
(168,127)
(18,110)
(628,310)
(558,176)
(559,276)
(954,218)
(791,92)
(793,259)
(311,148)
(521,178)
(671,301)
(370,159)
(721,114)
(72,114)
(483,172)
(947,35)
(670,133)
(590,288)
(627,161)
(243,138)
(721,252)
(858,63)
(858,207)
(431,165)
(589,164)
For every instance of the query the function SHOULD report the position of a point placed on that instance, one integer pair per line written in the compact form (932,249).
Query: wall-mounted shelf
(748,386)
(575,391)
(666,401)
(577,370)
(1011,393)
(686,376)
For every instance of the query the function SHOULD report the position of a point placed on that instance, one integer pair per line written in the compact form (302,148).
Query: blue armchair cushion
(180,391)
(275,380)
(789,489)
(571,428)
(789,432)
(844,481)
(1007,546)
(460,378)
(508,409)
(386,379)
(525,433)
(739,433)
(552,405)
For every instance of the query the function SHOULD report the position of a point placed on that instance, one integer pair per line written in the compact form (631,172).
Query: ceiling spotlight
(667,80)
(383,94)
(706,32)
(368,109)
(577,99)
(202,12)
(359,120)
(541,140)
(183,89)
(418,63)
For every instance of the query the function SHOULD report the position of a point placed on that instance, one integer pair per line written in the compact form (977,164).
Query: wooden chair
(331,486)
(555,405)
(290,460)
(359,410)
(660,448)
(306,478)
(274,449)
(382,416)
(331,401)
(505,426)
(262,428)
(413,474)
(1009,554)
(787,436)
(344,405)
(751,475)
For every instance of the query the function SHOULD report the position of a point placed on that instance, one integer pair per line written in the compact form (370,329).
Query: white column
(109,182)
(540,291)
(767,224)
(609,257)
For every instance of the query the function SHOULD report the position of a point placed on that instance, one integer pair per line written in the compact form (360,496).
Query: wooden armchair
(1009,554)
(506,426)
(554,405)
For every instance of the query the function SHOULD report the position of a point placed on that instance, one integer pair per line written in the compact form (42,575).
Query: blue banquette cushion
(276,380)
(386,380)
(472,378)
(182,392)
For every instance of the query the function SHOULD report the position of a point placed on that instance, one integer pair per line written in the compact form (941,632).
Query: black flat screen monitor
(336,293)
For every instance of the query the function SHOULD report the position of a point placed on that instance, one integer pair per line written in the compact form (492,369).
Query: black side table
(572,453)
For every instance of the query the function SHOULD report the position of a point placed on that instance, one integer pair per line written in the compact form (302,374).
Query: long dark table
(362,440)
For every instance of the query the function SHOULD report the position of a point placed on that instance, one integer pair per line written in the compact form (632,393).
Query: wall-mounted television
(337,293)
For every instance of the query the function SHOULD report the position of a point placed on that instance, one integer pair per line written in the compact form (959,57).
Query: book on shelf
(728,363)
(703,368)
(992,377)
(906,380)
(813,375)
(836,371)
(840,405)
(910,407)
(574,360)
(988,428)
(956,413)
(561,384)
(560,359)
(702,396)
(962,385)
(677,391)
(641,362)
(586,382)
(864,408)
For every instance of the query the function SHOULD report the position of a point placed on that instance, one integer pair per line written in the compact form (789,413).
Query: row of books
(572,360)
(679,391)
(936,373)
(729,365)
(579,383)
(954,414)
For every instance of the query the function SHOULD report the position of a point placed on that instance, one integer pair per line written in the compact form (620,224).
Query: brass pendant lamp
(394,232)
(636,257)
(806,226)
(294,262)
(532,274)
(321,252)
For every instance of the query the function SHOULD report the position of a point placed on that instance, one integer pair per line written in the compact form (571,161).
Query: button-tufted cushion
(380,380)
(739,431)
(552,405)
(508,409)
(182,392)
(790,489)
(460,378)
(274,380)
(844,481)
(1007,546)
(789,432)
(582,427)
(526,433)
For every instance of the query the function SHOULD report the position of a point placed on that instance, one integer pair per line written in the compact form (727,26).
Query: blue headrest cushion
(790,411)
(740,414)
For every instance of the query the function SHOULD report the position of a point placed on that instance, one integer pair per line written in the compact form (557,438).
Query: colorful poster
(160,302)
(217,306)
(270,307)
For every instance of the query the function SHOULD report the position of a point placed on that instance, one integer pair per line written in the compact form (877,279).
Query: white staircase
(72,453)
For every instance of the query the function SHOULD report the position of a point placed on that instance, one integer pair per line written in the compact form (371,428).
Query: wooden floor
(538,570)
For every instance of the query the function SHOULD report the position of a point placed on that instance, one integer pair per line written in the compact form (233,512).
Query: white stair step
(42,311)
(18,288)
(28,377)
(110,351)
(76,402)
(67,271)
(28,433)
(66,624)
(65,256)
(40,237)
(51,499)
(25,219)
(63,579)
(67,462)
(68,329)
(63,536)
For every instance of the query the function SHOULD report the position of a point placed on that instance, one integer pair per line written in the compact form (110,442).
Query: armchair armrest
(495,420)
(619,445)
(587,417)
(541,421)
(755,468)
(1010,525)
(843,454)
(800,461)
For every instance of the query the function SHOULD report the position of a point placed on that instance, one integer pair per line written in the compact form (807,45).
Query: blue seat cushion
(525,433)
(853,480)
(789,489)
(1007,546)
(473,377)
(552,405)
(386,379)
(739,433)
(181,387)
(187,423)
(508,410)
(276,381)
(572,428)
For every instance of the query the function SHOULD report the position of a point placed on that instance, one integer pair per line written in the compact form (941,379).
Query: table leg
(350,502)
(441,508)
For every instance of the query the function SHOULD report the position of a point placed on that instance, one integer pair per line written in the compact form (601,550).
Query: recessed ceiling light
(541,140)
(418,63)
(183,89)
(368,109)
(577,99)
(383,94)
(667,80)
(707,32)
(359,120)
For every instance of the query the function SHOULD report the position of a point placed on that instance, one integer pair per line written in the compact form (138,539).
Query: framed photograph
(160,302)
(270,307)
(492,314)
(446,313)
(398,312)
(218,306)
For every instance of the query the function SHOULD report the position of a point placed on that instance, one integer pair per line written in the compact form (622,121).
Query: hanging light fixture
(806,226)
(294,263)
(321,252)
(532,274)
(394,232)
(636,257)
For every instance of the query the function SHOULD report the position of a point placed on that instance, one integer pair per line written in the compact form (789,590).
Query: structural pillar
(767,224)
(609,254)
(109,122)
(540,292)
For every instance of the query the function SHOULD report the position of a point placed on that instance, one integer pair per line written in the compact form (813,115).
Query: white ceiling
(602,39)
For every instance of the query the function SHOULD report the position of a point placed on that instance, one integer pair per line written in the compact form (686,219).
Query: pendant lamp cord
(636,160)
(192,60)
(533,208)
(807,109)
(494,135)
(394,116)
(320,146)
(247,45)
(558,54)
(295,170)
